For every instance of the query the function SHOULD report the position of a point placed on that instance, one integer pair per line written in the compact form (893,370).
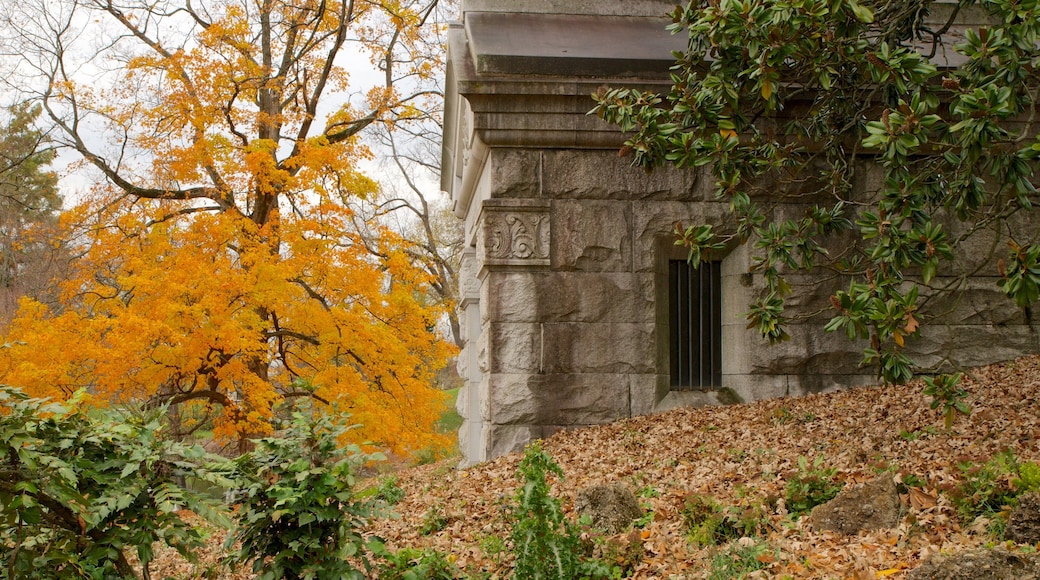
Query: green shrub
(810,486)
(298,515)
(77,488)
(547,546)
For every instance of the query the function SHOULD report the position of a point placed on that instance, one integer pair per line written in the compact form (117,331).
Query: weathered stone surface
(515,348)
(514,173)
(626,8)
(654,227)
(570,297)
(810,351)
(988,564)
(1024,523)
(570,174)
(611,507)
(646,391)
(503,439)
(571,347)
(578,399)
(600,348)
(972,344)
(698,398)
(873,505)
(593,236)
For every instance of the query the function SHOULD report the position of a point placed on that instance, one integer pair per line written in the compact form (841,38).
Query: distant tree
(217,268)
(29,204)
(406,204)
(410,201)
(795,100)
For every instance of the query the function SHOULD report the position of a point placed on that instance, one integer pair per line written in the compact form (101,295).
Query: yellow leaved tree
(215,266)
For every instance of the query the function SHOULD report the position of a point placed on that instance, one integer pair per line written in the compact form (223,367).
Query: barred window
(695,324)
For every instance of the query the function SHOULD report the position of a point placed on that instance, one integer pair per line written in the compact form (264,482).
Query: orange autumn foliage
(206,307)
(215,267)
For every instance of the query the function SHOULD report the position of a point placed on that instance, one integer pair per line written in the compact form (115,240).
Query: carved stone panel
(514,234)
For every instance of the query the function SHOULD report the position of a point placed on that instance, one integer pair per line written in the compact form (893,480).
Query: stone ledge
(626,8)
(565,45)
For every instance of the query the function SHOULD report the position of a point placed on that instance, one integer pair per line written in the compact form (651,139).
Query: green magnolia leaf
(862,13)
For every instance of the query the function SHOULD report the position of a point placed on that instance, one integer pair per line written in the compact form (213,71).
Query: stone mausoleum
(577,307)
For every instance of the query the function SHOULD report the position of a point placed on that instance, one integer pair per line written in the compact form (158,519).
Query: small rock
(995,564)
(1024,523)
(873,505)
(611,508)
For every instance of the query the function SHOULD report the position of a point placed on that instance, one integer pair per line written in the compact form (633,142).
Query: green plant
(947,395)
(389,490)
(492,546)
(622,554)
(298,516)
(781,416)
(738,560)
(912,480)
(434,521)
(923,433)
(810,486)
(416,564)
(78,488)
(986,488)
(547,546)
(1028,477)
(708,523)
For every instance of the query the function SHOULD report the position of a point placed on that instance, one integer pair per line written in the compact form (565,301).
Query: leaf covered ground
(743,455)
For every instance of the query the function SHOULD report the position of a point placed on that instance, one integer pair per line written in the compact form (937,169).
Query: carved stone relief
(516,235)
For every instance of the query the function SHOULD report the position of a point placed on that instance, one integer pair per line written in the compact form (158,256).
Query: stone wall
(563,292)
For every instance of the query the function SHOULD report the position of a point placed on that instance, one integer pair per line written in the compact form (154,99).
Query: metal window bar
(695,324)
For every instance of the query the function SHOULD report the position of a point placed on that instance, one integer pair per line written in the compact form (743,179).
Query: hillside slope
(743,456)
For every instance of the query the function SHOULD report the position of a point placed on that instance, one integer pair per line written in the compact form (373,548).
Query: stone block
(697,398)
(600,348)
(470,435)
(971,345)
(755,387)
(552,399)
(592,174)
(978,301)
(569,297)
(514,173)
(502,439)
(654,226)
(514,348)
(809,351)
(809,384)
(646,390)
(592,236)
(514,233)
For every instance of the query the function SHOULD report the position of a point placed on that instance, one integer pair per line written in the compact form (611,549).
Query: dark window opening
(695,324)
